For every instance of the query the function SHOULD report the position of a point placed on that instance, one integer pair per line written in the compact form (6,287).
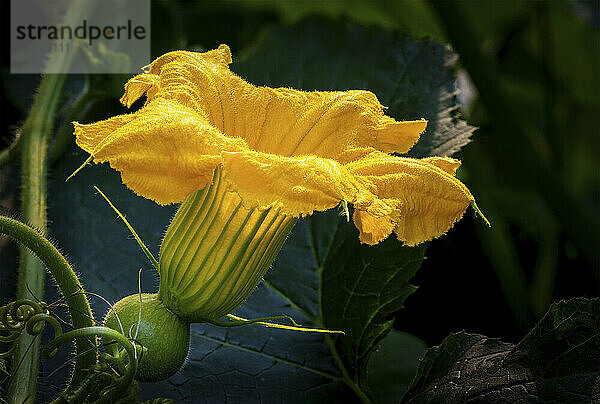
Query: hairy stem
(106,333)
(57,265)
(34,147)
(34,143)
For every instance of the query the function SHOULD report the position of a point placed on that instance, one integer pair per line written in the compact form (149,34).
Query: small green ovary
(164,336)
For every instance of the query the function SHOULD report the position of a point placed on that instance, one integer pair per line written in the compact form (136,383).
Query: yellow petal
(296,186)
(137,86)
(372,229)
(218,57)
(323,123)
(280,121)
(427,200)
(399,137)
(89,136)
(447,164)
(164,151)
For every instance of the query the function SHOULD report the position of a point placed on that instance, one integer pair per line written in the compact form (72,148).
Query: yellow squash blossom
(247,161)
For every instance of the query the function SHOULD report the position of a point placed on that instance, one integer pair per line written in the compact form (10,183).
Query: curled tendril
(21,314)
(14,315)
(102,381)
(35,325)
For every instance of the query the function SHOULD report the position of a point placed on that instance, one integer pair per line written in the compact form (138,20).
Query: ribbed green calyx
(216,251)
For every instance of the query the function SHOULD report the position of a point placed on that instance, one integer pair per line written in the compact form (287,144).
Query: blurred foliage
(537,68)
(414,17)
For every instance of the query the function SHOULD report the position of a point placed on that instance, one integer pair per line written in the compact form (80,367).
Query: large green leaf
(556,362)
(322,276)
(361,288)
(348,286)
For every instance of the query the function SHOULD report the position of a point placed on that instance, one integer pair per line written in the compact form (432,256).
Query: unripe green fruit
(164,336)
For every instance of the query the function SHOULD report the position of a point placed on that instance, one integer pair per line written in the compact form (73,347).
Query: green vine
(33,145)
(67,281)
(101,383)
(102,379)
